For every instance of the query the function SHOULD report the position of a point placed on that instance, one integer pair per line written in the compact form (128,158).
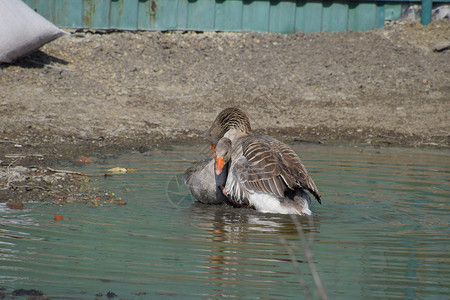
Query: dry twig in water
(309,257)
(296,268)
(77,173)
(66,171)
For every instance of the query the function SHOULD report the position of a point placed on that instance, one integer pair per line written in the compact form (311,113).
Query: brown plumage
(272,167)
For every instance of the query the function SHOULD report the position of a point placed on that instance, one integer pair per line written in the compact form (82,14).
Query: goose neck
(234,135)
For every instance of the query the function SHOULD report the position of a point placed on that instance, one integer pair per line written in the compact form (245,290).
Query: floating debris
(119,170)
(14,204)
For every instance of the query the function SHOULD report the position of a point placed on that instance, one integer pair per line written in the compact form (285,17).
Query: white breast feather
(270,204)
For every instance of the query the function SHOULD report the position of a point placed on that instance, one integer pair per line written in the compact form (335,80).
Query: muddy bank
(21,184)
(98,94)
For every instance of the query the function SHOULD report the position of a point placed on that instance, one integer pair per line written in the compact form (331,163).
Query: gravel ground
(96,93)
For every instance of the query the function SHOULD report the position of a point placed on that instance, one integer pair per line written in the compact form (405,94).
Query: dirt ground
(99,93)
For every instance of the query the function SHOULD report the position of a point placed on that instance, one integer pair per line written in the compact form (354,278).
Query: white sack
(22,30)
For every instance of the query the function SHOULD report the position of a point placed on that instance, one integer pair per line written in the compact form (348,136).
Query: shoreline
(98,95)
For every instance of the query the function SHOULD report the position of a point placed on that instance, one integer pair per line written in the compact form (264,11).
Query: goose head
(222,165)
(231,122)
(222,155)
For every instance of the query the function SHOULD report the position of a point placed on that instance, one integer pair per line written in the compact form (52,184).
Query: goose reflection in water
(229,233)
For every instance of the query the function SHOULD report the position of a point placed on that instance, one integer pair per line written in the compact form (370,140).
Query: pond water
(381,232)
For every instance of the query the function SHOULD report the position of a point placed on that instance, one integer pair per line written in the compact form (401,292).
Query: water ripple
(382,232)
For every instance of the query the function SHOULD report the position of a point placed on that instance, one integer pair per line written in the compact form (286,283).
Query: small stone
(23,292)
(83,160)
(111,295)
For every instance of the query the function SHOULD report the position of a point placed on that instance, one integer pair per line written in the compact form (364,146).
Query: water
(382,232)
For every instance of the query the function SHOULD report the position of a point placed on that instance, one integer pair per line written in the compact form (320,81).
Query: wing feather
(264,164)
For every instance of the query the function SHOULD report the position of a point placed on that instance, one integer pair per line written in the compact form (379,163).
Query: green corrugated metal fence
(223,15)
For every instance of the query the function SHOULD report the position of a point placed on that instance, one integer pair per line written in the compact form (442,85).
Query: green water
(382,232)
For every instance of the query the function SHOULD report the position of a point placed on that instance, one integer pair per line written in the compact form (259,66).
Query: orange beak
(213,148)
(220,163)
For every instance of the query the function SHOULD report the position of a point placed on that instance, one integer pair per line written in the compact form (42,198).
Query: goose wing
(270,166)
